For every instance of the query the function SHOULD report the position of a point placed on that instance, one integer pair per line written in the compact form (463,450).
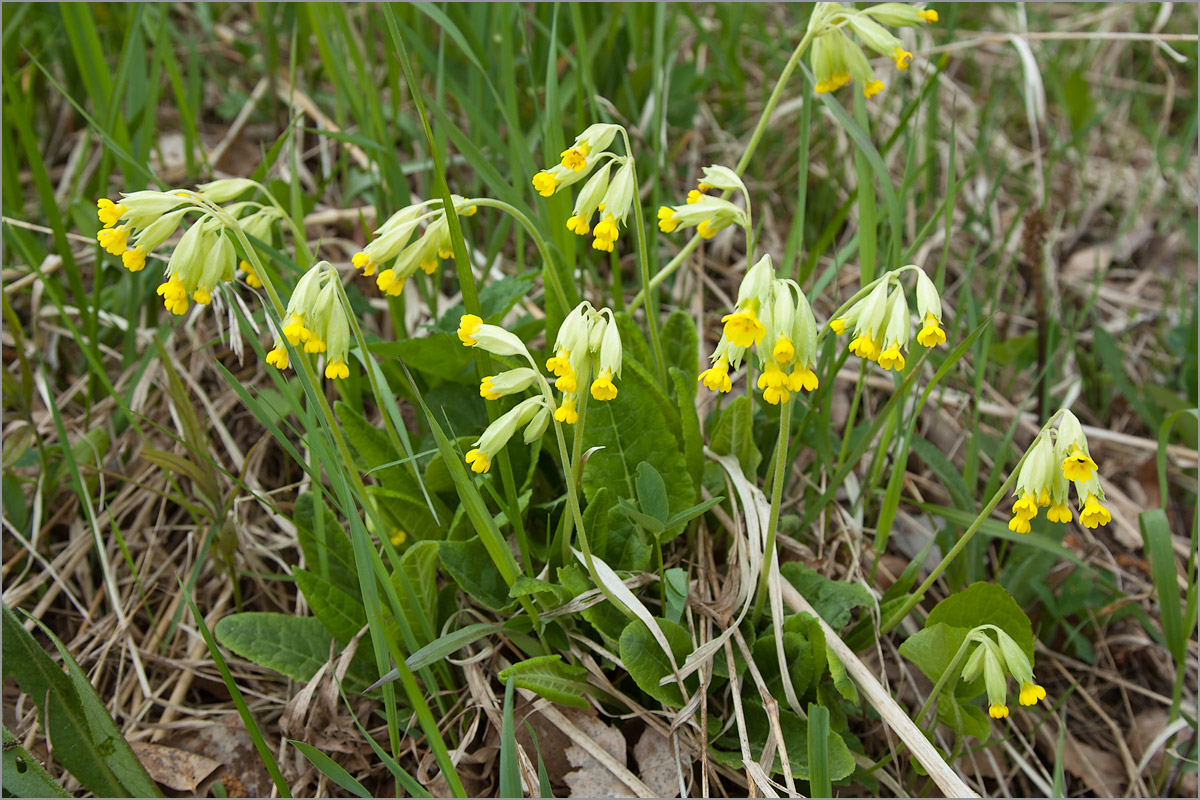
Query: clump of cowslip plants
(571,471)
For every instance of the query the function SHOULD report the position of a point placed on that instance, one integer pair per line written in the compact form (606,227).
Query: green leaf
(450,643)
(510,776)
(957,715)
(472,569)
(439,355)
(24,775)
(525,585)
(947,473)
(646,521)
(833,600)
(632,429)
(984,603)
(496,299)
(419,565)
(651,492)
(632,340)
(734,435)
(677,592)
(840,763)
(410,513)
(331,769)
(689,420)
(87,743)
(798,657)
(933,648)
(340,613)
(293,646)
(818,751)
(372,446)
(1156,534)
(595,520)
(327,550)
(841,680)
(681,348)
(551,678)
(689,514)
(647,663)
(604,617)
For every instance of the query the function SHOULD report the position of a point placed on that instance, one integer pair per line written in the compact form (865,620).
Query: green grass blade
(330,768)
(818,752)
(510,776)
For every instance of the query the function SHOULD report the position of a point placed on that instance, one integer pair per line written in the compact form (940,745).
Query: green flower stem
(943,679)
(780,477)
(644,268)
(751,146)
(535,234)
(574,470)
(915,597)
(867,232)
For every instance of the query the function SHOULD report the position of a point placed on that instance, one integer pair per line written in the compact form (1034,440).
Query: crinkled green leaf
(734,435)
(551,678)
(984,603)
(472,569)
(648,664)
(290,645)
(326,547)
(833,600)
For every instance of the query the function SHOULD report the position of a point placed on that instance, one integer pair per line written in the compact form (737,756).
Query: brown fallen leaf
(656,763)
(591,778)
(176,769)
(1101,772)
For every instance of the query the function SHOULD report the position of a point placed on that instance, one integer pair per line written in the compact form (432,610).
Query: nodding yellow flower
(606,234)
(997,711)
(743,328)
(929,15)
(545,183)
(114,240)
(485,389)
(560,363)
(873,88)
(716,378)
(774,384)
(891,357)
(397,537)
(479,461)
(666,217)
(803,378)
(931,335)
(252,279)
(337,370)
(174,295)
(295,330)
(566,411)
(1031,693)
(703,187)
(783,351)
(865,347)
(278,356)
(1059,512)
(134,259)
(389,283)
(315,344)
(513,381)
(568,382)
(1078,466)
(467,325)
(602,387)
(1026,506)
(694,196)
(575,158)
(902,58)
(1094,514)
(578,225)
(706,229)
(201,296)
(838,326)
(109,212)
(1019,524)
(428,264)
(362,261)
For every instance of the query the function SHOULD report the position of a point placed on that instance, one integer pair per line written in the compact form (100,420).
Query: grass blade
(510,776)
(818,752)
(330,768)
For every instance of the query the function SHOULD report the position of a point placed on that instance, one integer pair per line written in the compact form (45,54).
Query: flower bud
(225,189)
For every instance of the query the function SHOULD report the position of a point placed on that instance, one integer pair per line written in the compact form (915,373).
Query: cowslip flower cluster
(587,349)
(1056,459)
(708,214)
(880,319)
(394,243)
(609,193)
(316,320)
(837,58)
(772,318)
(995,659)
(205,256)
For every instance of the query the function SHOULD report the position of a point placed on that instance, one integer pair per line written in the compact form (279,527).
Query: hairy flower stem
(780,477)
(574,471)
(747,154)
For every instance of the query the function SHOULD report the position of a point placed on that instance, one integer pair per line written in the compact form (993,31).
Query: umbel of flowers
(206,255)
(839,32)
(996,659)
(773,320)
(588,348)
(1058,458)
(708,214)
(880,319)
(608,195)
(316,320)
(394,252)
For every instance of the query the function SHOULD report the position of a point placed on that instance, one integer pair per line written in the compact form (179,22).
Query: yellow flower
(389,283)
(114,240)
(363,261)
(706,229)
(902,58)
(1019,524)
(743,329)
(467,325)
(892,358)
(201,296)
(295,331)
(575,158)
(931,335)
(1026,506)
(666,217)
(774,384)
(783,351)
(694,196)
(315,344)
(567,382)
(252,279)
(870,90)
(838,326)
(602,387)
(478,460)
(559,364)
(1078,466)
(278,357)
(716,378)
(109,212)
(578,224)
(1031,693)
(865,347)
(606,234)
(1094,514)
(929,15)
(174,296)
(566,411)
(485,389)
(803,378)
(337,369)
(997,711)
(545,183)
(1059,512)
(134,259)
(397,538)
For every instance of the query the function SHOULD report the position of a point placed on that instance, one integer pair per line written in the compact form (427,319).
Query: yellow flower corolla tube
(590,198)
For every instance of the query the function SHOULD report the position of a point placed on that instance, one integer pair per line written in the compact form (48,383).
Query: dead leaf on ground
(231,746)
(176,769)
(1101,772)
(656,763)
(590,778)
